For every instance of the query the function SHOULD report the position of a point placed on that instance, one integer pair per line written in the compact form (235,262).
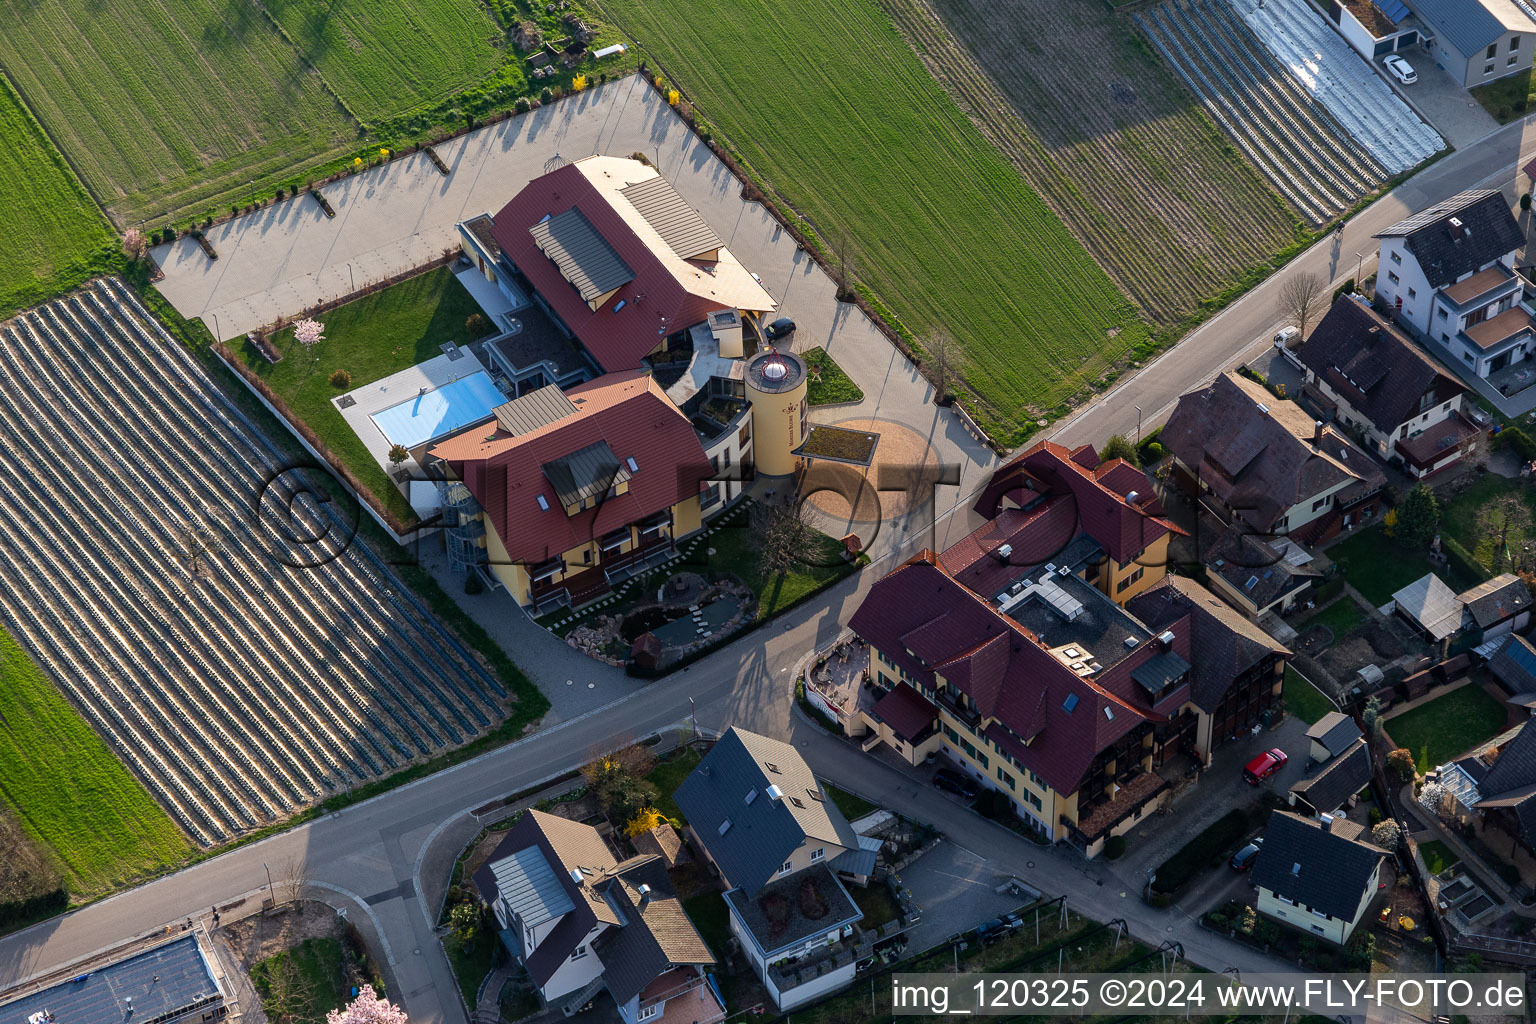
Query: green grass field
(1378,566)
(668,775)
(825,100)
(1342,617)
(1304,700)
(169,105)
(1448,726)
(1458,517)
(69,791)
(55,237)
(830,383)
(386,57)
(370,338)
(1437,856)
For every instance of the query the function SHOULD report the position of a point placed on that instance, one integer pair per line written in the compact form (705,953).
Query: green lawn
(668,775)
(1304,700)
(385,57)
(1342,617)
(55,237)
(1437,856)
(1378,566)
(370,338)
(852,806)
(1448,726)
(1458,517)
(300,984)
(470,966)
(827,102)
(69,791)
(736,552)
(829,383)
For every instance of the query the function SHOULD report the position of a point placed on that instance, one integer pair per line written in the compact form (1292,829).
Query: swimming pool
(440,411)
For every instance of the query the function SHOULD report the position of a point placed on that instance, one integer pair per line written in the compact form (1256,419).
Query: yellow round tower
(776,383)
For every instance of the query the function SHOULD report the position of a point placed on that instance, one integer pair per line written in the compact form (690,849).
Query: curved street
(374,858)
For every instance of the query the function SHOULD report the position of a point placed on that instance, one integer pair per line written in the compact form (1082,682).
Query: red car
(1265,765)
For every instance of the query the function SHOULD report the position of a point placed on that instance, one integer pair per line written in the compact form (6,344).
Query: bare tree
(1303,298)
(1502,527)
(192,546)
(289,881)
(940,348)
(843,263)
(783,535)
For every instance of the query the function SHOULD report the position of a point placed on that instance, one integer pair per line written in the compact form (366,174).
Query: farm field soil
(839,116)
(55,237)
(69,791)
(384,57)
(169,107)
(1113,142)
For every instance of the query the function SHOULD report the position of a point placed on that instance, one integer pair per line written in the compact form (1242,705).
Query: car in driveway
(955,782)
(1265,765)
(997,928)
(783,327)
(1400,69)
(1243,859)
(1285,335)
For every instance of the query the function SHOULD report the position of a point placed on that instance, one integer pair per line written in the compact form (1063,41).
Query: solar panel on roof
(1393,9)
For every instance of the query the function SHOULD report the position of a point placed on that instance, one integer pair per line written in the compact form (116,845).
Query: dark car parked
(998,928)
(1243,859)
(783,327)
(955,782)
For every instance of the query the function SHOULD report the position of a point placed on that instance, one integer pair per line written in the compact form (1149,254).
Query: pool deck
(384,394)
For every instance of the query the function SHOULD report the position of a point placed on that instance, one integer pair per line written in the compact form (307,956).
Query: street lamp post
(1359,261)
(1138,425)
(270,890)
(693,722)
(216,331)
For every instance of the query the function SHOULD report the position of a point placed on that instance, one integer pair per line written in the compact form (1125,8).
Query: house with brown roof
(1067,507)
(1448,272)
(1366,374)
(581,921)
(1253,459)
(576,488)
(1055,696)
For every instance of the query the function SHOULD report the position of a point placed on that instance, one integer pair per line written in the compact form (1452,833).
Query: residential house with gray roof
(581,921)
(1448,272)
(1316,874)
(1497,606)
(1329,788)
(1477,41)
(779,842)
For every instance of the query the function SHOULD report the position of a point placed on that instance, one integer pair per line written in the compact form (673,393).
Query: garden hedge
(1206,849)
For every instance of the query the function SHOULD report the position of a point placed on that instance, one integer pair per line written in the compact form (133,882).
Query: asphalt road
(369,858)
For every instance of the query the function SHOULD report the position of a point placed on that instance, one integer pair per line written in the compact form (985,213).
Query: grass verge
(1437,856)
(830,383)
(853,807)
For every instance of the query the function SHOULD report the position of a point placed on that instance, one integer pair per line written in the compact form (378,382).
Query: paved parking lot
(1439,99)
(957,890)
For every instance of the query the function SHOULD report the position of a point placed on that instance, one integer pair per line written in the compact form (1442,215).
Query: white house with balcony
(1449,274)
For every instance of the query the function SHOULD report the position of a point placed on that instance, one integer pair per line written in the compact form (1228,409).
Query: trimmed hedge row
(1519,440)
(1207,848)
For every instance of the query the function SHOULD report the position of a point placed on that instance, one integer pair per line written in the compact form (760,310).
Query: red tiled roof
(1099,492)
(505,472)
(905,710)
(1035,535)
(618,338)
(919,607)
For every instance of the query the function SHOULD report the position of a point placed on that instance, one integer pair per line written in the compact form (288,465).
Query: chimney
(1130,499)
(1458,229)
(1317,433)
(1004,552)
(1166,639)
(1327,822)
(645,896)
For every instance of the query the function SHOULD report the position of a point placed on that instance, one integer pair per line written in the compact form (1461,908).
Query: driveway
(1440,99)
(957,890)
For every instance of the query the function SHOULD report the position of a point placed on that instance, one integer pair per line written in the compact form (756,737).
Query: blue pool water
(439,412)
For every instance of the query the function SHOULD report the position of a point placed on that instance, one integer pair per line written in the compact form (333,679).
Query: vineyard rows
(1109,139)
(150,543)
(1298,145)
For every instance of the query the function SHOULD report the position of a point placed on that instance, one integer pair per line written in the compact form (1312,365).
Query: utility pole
(269,882)
(1138,426)
(1359,261)
(693,723)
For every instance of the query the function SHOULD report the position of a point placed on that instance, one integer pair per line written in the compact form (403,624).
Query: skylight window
(543,503)
(1109,714)
(1070,704)
(725,826)
(772,767)
(1253,581)
(751,796)
(796,801)
(634,467)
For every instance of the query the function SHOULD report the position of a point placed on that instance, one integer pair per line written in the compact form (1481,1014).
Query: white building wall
(575,973)
(1394,260)
(1355,33)
(1302,513)
(811,990)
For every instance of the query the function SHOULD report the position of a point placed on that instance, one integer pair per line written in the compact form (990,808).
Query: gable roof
(1331,786)
(1514,664)
(1470,25)
(523,480)
(1495,600)
(1335,731)
(656,934)
(1489,231)
(610,229)
(1259,454)
(1253,567)
(1514,768)
(1319,869)
(748,832)
(1430,603)
(1113,502)
(1367,362)
(1223,643)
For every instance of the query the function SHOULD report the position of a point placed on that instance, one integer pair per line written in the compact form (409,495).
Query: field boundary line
(26,106)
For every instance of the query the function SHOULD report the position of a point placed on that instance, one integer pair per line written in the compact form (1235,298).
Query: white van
(1285,335)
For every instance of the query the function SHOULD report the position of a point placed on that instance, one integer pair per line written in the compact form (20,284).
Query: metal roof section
(534,410)
(678,224)
(528,884)
(1432,604)
(583,255)
(585,473)
(162,983)
(1470,26)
